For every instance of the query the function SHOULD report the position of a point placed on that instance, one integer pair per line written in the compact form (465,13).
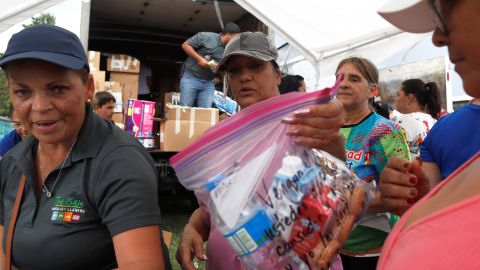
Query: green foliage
(4,103)
(43,18)
(4,97)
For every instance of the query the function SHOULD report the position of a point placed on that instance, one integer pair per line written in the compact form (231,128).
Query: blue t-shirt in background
(9,141)
(453,140)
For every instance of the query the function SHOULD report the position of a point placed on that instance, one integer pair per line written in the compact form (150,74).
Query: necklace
(44,187)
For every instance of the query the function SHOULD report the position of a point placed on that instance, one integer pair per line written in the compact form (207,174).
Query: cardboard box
(182,113)
(184,125)
(139,119)
(129,85)
(116,90)
(98,80)
(118,117)
(176,135)
(123,63)
(94,61)
(172,98)
(112,86)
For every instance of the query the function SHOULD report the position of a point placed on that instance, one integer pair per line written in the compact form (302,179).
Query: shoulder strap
(13,220)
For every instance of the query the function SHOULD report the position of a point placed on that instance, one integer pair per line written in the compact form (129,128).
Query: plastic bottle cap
(291,165)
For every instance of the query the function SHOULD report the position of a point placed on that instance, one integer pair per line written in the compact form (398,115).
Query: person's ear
(373,91)
(278,74)
(410,98)
(90,87)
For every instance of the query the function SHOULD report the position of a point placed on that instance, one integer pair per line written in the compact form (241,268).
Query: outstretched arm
(194,235)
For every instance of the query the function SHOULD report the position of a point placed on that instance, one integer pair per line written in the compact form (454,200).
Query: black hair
(290,83)
(101,98)
(427,95)
(382,108)
(275,65)
(231,27)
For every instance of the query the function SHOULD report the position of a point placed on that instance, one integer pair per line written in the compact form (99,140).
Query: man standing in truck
(204,50)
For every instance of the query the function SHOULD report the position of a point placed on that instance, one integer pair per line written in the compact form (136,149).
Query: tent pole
(316,66)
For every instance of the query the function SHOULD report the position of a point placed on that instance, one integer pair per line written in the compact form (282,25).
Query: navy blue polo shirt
(108,186)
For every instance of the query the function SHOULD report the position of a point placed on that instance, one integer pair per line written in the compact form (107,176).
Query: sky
(67,14)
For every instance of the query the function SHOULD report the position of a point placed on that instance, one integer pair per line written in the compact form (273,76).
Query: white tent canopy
(16,11)
(318,28)
(326,31)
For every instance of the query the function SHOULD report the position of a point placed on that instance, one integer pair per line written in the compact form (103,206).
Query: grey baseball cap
(414,16)
(252,44)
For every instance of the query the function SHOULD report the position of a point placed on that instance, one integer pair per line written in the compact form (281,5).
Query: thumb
(423,184)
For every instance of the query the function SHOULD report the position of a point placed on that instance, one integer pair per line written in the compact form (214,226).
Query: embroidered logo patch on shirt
(67,210)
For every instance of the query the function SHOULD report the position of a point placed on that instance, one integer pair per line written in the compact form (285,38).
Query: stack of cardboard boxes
(181,125)
(123,71)
(98,75)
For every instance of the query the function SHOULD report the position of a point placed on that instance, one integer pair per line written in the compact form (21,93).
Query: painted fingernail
(413,180)
(288,120)
(204,257)
(406,166)
(412,192)
(419,160)
(302,111)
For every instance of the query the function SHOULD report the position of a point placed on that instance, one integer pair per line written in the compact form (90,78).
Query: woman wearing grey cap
(441,230)
(69,196)
(253,74)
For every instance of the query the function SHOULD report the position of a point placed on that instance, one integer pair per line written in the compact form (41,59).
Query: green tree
(4,97)
(43,18)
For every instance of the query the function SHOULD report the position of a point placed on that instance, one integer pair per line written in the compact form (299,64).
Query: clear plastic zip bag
(279,205)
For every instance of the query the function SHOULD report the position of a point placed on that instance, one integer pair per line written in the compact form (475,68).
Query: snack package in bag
(278,204)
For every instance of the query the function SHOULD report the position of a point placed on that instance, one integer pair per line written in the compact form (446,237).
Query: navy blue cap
(48,43)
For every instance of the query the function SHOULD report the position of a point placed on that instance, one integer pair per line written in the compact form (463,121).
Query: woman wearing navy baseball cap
(78,193)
